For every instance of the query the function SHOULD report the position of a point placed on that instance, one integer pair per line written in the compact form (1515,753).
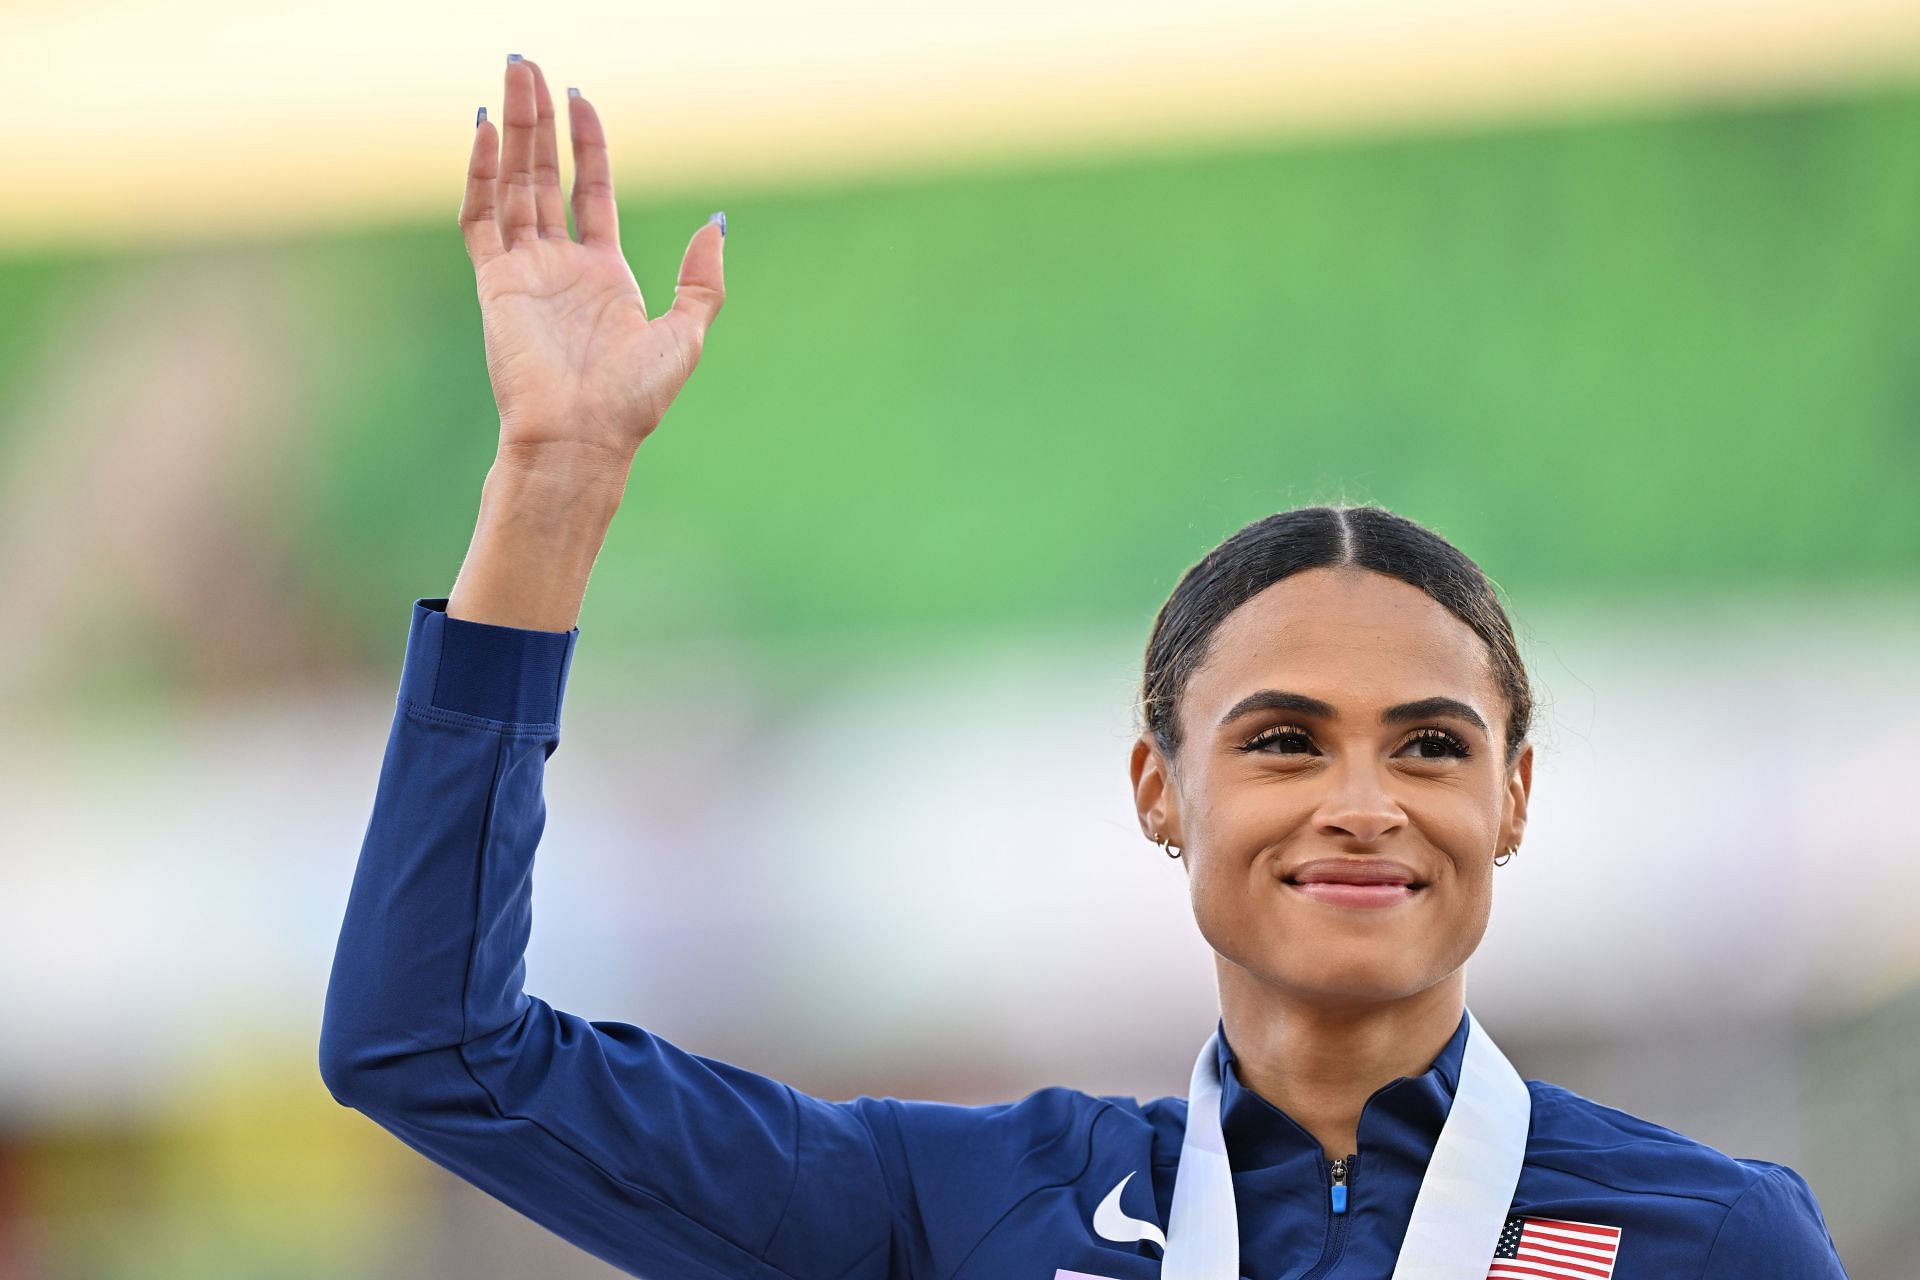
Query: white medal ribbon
(1457,1216)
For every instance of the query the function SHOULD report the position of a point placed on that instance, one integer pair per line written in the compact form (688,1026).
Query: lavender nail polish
(721,218)
(572,92)
(513,57)
(479,117)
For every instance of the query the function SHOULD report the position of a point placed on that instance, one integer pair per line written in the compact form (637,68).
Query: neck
(1319,1061)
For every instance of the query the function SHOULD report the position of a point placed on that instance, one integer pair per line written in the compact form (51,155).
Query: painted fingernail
(572,92)
(513,57)
(721,218)
(479,117)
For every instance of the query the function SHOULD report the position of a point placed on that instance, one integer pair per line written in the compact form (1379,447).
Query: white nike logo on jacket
(1110,1222)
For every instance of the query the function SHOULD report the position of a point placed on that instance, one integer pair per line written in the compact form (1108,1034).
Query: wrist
(569,472)
(576,499)
(534,545)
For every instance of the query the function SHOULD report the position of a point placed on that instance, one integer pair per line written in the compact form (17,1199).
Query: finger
(594,215)
(514,193)
(477,225)
(549,205)
(702,288)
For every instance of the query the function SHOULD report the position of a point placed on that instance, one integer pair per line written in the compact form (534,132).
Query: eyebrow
(1281,700)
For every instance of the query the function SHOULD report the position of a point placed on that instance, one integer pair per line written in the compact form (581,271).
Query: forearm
(430,952)
(541,526)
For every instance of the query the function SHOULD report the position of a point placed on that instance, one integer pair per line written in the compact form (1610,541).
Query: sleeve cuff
(509,674)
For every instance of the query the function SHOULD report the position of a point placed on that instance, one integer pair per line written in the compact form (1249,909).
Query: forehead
(1350,637)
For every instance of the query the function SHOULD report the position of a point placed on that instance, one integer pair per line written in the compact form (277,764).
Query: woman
(1335,747)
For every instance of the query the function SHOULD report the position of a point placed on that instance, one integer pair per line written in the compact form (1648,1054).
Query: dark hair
(1287,542)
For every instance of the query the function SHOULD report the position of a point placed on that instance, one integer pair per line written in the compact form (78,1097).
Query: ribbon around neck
(1457,1215)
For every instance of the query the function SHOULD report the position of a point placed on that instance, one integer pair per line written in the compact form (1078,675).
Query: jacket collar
(1399,1125)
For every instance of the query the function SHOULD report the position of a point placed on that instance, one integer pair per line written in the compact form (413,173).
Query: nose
(1358,805)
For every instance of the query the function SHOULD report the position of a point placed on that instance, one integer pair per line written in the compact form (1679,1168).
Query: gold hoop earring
(1505,856)
(1172,851)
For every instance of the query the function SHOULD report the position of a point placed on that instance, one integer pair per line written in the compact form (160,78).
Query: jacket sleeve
(660,1162)
(1774,1231)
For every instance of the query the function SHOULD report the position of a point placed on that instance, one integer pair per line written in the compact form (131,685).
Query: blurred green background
(1655,366)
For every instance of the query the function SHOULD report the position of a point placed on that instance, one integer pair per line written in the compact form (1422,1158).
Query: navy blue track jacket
(673,1166)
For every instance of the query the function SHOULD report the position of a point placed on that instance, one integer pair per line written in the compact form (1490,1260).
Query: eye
(1435,744)
(1289,739)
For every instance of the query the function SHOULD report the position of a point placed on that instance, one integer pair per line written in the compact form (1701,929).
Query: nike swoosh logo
(1110,1222)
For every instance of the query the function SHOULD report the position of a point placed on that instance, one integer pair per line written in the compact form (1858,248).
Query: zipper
(1339,1176)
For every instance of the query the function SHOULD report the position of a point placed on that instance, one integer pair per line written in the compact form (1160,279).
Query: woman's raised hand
(580,374)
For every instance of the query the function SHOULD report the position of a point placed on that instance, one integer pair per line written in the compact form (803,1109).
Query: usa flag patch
(1554,1249)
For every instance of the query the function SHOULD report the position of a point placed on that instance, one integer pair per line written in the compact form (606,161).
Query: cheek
(1209,897)
(1231,824)
(1227,906)
(1470,924)
(1462,824)
(1466,895)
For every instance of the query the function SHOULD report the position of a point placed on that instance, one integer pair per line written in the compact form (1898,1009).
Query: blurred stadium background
(1028,308)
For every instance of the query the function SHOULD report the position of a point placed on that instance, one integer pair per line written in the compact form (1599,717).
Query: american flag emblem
(1552,1249)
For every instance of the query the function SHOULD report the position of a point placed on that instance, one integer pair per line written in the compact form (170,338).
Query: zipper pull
(1339,1187)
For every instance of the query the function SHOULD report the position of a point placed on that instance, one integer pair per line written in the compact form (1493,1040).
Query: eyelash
(1455,748)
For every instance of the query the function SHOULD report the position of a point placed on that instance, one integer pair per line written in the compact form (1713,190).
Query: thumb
(702,287)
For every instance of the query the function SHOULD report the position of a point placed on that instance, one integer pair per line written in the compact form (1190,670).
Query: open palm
(579,372)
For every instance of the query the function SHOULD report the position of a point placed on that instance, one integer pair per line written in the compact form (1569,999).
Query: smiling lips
(1355,882)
